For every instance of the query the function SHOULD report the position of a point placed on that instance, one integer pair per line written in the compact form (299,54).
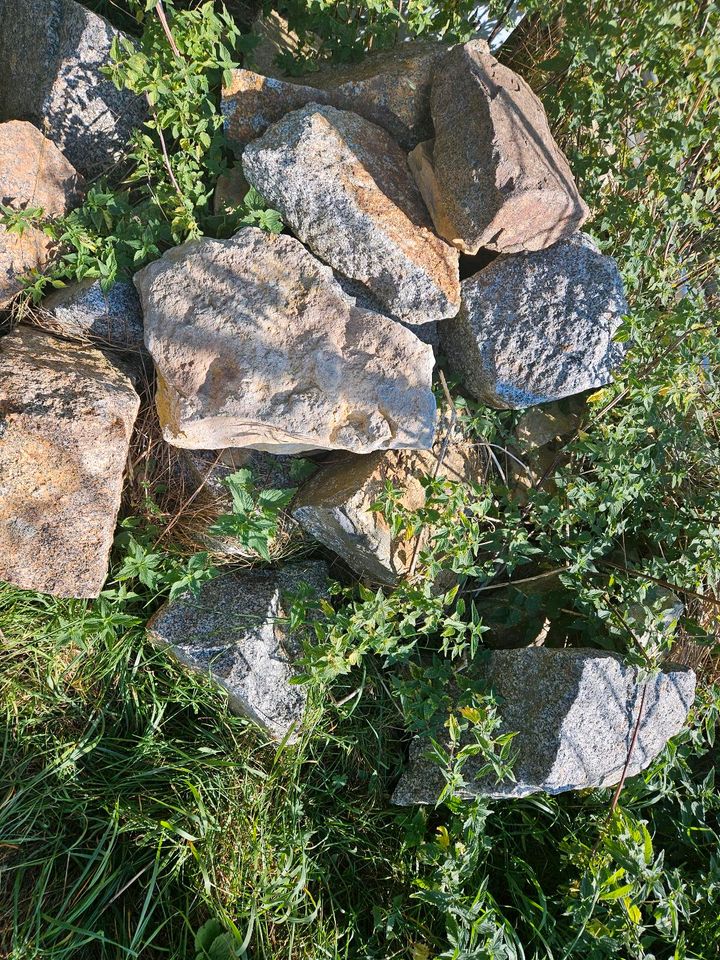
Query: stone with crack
(51,57)
(236,631)
(343,186)
(537,327)
(33,175)
(493,176)
(256,345)
(66,416)
(574,712)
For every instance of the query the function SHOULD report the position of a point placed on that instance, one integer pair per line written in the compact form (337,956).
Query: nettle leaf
(277,498)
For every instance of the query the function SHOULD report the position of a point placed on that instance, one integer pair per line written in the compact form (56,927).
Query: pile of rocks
(263,345)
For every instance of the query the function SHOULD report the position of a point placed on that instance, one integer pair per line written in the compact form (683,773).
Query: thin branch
(512,583)
(160,11)
(439,462)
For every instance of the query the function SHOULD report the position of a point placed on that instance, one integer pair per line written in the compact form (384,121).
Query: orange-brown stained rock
(33,173)
(66,415)
(343,186)
(494,176)
(335,506)
(390,88)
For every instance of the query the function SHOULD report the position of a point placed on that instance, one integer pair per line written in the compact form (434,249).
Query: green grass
(134,808)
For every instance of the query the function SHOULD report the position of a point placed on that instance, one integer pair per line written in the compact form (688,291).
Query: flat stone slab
(538,327)
(235,630)
(85,309)
(66,416)
(334,506)
(33,174)
(493,176)
(256,345)
(391,88)
(51,55)
(343,186)
(574,712)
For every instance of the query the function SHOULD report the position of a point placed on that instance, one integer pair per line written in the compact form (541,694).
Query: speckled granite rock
(276,357)
(33,173)
(66,415)
(574,712)
(494,176)
(334,506)
(343,186)
(84,309)
(234,631)
(51,54)
(391,88)
(537,327)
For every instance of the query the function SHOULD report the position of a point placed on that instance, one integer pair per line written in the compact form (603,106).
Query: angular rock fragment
(391,88)
(33,174)
(537,327)
(256,345)
(344,187)
(85,309)
(542,433)
(51,56)
(276,38)
(236,631)
(230,191)
(494,176)
(335,505)
(66,416)
(574,712)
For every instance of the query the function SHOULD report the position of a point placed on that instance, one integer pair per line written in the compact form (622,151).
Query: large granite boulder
(236,631)
(33,174)
(344,187)
(493,176)
(537,327)
(391,88)
(256,345)
(335,505)
(66,416)
(51,55)
(574,712)
(84,309)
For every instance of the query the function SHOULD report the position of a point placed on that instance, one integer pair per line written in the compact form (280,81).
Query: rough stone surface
(233,630)
(66,415)
(540,426)
(276,38)
(344,187)
(574,712)
(540,451)
(51,53)
(230,191)
(390,88)
(537,327)
(84,309)
(33,173)
(334,506)
(494,177)
(257,346)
